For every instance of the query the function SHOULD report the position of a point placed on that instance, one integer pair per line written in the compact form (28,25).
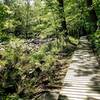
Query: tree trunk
(92,14)
(62,16)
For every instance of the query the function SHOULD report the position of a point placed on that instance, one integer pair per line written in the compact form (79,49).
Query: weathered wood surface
(82,81)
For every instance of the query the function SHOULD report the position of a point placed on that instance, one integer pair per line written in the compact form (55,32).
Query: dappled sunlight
(82,78)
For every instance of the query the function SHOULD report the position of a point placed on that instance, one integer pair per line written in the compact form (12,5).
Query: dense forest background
(37,37)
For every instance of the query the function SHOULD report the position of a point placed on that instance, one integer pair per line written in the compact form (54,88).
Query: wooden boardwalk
(82,81)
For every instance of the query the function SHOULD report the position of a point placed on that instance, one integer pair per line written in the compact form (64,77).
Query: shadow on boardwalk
(62,97)
(82,81)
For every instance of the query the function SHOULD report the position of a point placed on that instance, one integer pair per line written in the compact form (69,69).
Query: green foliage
(96,41)
(4,37)
(4,12)
(21,67)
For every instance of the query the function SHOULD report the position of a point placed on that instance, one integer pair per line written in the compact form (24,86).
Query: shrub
(4,37)
(95,38)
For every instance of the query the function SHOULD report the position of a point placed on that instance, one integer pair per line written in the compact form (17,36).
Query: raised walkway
(82,81)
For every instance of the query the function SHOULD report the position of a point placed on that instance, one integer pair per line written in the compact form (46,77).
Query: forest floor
(17,52)
(82,80)
(75,73)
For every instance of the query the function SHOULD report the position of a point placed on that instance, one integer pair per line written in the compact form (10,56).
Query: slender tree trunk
(62,16)
(92,13)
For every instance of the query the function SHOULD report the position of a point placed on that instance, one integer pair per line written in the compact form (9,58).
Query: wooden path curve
(82,81)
